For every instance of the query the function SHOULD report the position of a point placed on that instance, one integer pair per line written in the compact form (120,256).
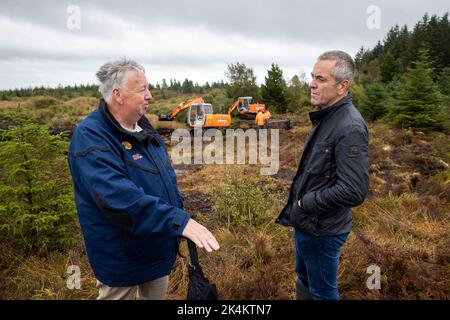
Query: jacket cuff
(308,202)
(179,222)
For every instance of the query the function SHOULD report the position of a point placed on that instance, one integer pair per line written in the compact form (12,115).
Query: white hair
(111,75)
(344,68)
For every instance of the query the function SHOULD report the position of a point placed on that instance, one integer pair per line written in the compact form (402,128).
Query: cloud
(193,39)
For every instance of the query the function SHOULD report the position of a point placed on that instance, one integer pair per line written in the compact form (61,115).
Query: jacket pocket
(142,167)
(321,159)
(302,221)
(140,248)
(321,168)
(145,176)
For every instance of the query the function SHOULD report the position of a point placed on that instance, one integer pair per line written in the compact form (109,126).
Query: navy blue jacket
(128,202)
(333,173)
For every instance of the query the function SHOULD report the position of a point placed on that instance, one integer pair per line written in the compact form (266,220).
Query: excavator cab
(197,114)
(243,103)
(201,115)
(247,107)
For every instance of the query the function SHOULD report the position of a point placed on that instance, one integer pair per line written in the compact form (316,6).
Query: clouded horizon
(43,43)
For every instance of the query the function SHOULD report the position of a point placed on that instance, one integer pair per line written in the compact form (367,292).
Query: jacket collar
(317,116)
(148,133)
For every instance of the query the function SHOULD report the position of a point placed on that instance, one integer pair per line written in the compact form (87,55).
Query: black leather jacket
(333,173)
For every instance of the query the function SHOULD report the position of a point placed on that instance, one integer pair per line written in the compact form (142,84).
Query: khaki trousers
(152,290)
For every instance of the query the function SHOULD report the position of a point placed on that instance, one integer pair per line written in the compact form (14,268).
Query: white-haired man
(129,206)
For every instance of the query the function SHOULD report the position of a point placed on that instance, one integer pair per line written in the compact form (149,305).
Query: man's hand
(200,236)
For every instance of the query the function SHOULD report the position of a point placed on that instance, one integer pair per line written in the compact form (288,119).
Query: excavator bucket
(165,117)
(279,124)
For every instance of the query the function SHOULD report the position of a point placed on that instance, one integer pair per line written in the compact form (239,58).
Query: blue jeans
(317,263)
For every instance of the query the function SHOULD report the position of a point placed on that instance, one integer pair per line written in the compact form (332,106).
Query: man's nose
(313,84)
(148,95)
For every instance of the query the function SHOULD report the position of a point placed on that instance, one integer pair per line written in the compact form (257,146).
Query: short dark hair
(345,66)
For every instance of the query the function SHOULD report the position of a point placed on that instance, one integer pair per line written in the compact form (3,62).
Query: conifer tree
(273,91)
(416,100)
(373,101)
(388,68)
(444,81)
(37,211)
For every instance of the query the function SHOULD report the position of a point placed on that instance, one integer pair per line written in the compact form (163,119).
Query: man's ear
(344,87)
(116,96)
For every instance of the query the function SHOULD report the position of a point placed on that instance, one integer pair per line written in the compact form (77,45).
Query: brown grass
(403,227)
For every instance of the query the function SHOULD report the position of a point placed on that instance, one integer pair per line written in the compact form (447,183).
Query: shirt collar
(148,132)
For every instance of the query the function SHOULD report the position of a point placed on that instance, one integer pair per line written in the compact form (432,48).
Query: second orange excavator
(247,107)
(200,114)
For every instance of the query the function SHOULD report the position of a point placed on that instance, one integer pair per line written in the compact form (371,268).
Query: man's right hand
(201,236)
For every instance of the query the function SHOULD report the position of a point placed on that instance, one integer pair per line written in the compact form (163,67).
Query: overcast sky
(52,42)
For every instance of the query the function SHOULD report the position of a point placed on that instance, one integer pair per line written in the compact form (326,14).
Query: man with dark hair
(332,177)
(130,209)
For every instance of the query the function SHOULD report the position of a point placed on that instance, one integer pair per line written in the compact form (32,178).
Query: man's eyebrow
(317,76)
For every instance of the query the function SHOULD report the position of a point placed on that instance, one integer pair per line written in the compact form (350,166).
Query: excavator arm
(234,106)
(182,106)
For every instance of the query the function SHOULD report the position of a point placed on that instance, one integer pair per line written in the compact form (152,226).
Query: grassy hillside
(403,226)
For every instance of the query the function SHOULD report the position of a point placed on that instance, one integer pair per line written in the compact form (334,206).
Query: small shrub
(45,102)
(37,210)
(239,200)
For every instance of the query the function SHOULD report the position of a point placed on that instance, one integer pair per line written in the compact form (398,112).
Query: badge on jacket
(127,145)
(353,151)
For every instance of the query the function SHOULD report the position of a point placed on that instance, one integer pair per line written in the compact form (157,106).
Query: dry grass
(251,264)
(51,111)
(44,277)
(403,227)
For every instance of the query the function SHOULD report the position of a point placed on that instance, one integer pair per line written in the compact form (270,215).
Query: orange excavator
(247,108)
(200,114)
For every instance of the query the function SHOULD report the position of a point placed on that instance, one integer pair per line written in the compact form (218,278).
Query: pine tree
(359,58)
(37,210)
(389,67)
(273,91)
(444,81)
(373,101)
(416,101)
(187,86)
